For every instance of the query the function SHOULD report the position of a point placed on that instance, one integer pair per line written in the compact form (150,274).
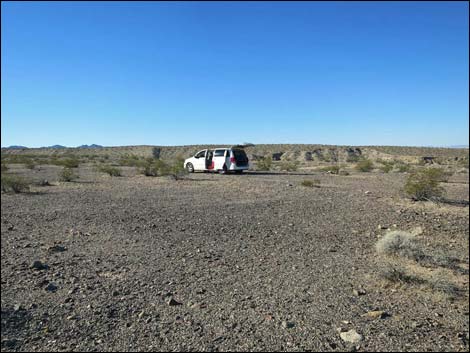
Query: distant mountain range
(15,147)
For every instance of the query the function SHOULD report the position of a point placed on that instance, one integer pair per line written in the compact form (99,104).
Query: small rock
(375,314)
(359,292)
(286,324)
(351,336)
(57,248)
(17,307)
(38,265)
(173,302)
(51,287)
(367,192)
(11,227)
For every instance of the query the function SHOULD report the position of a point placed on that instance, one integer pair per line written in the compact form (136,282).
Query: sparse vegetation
(424,185)
(403,167)
(153,167)
(111,171)
(175,168)
(311,183)
(264,163)
(14,183)
(289,166)
(4,168)
(333,169)
(399,243)
(30,164)
(364,165)
(67,175)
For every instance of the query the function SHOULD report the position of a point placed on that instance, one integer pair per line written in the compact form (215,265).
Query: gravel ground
(223,262)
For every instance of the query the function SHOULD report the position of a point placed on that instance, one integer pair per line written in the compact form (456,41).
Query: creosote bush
(67,175)
(364,165)
(14,183)
(111,171)
(264,163)
(424,185)
(289,166)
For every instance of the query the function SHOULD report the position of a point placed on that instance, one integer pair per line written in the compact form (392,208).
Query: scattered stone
(173,302)
(359,292)
(11,227)
(375,314)
(51,287)
(38,265)
(351,336)
(57,248)
(287,325)
(367,192)
(17,307)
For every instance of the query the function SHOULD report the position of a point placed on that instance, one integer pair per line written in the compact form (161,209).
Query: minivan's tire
(190,168)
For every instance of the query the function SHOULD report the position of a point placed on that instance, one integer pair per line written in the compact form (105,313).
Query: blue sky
(130,73)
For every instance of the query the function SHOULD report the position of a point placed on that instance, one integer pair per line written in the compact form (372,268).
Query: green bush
(424,185)
(311,183)
(387,166)
(67,162)
(403,167)
(264,163)
(14,183)
(175,168)
(289,166)
(4,167)
(30,164)
(67,175)
(353,159)
(438,174)
(153,167)
(364,165)
(111,171)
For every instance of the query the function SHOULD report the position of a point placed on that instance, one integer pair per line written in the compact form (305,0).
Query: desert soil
(223,262)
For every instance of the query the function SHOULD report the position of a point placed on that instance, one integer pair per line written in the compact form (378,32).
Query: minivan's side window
(219,153)
(200,154)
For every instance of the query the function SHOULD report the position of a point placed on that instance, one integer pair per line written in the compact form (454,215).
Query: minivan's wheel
(223,170)
(190,168)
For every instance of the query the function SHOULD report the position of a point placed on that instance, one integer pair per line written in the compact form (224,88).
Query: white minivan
(222,160)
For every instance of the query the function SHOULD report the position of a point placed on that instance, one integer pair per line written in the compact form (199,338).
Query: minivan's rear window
(240,156)
(219,153)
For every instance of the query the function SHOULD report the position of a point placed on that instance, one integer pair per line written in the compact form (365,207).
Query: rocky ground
(225,262)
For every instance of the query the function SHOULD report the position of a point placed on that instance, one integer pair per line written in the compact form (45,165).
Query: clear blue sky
(130,73)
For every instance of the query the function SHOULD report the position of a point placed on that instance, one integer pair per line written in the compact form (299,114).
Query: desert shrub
(153,167)
(111,171)
(438,174)
(14,183)
(311,183)
(131,161)
(423,185)
(289,166)
(399,243)
(353,158)
(364,165)
(403,167)
(67,175)
(464,162)
(4,167)
(175,168)
(396,273)
(156,151)
(68,162)
(387,165)
(30,164)
(343,172)
(333,169)
(264,163)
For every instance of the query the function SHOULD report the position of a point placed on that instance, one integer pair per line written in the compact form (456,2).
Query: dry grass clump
(14,183)
(67,175)
(311,183)
(364,165)
(111,171)
(264,163)
(399,243)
